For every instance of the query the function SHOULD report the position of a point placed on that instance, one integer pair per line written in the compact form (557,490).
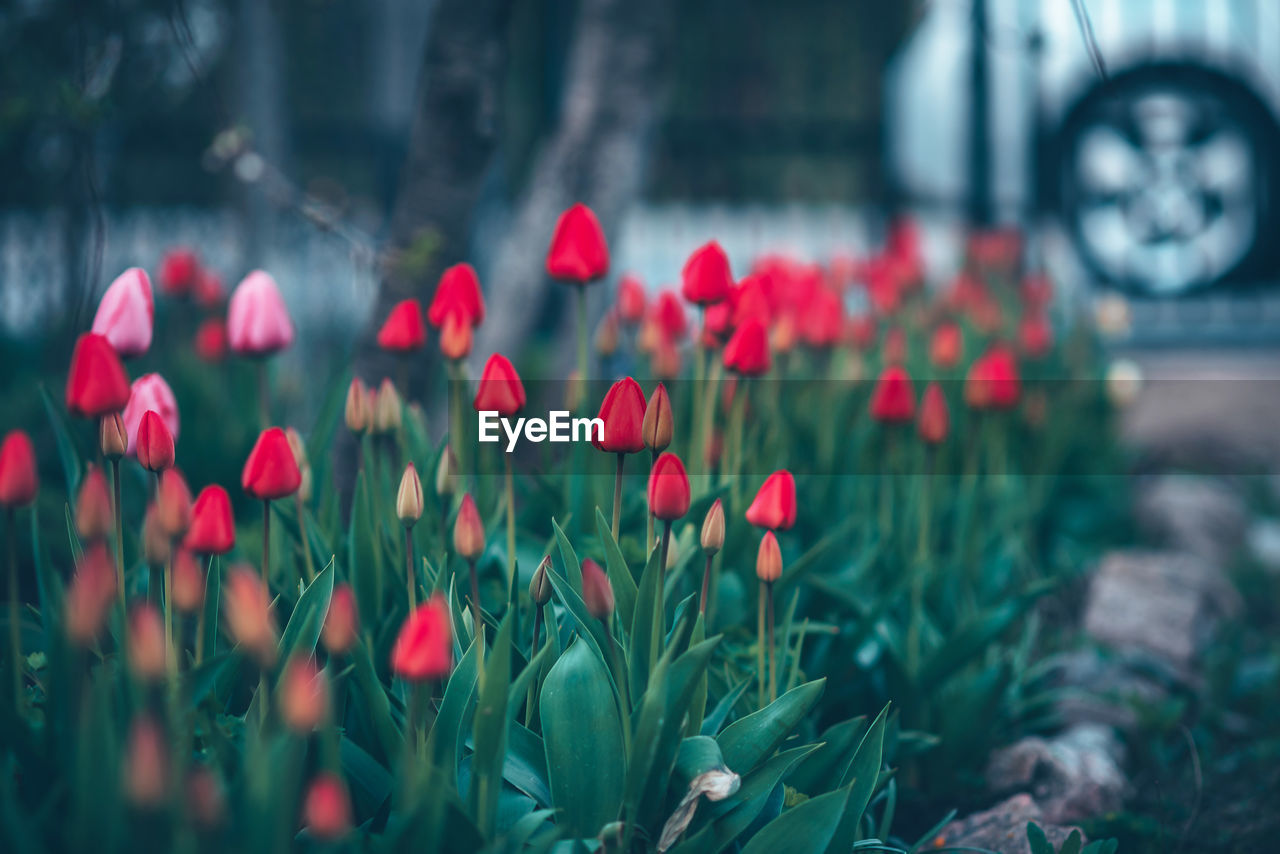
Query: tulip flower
(822,319)
(212,529)
(113,438)
(146,643)
(623,412)
(712,540)
(154,443)
(667,314)
(150,392)
(540,593)
(468,542)
(946,346)
(326,810)
(342,623)
(179,269)
(409,511)
(247,609)
(208,290)
(94,517)
(88,596)
(706,278)
(934,420)
(657,426)
(578,255)
(992,381)
(895,346)
(403,331)
(774,506)
(188,583)
(456,338)
(126,313)
(156,548)
(269,473)
(174,503)
(458,294)
(747,352)
(387,408)
(768,570)
(597,592)
(501,391)
(607,334)
(424,648)
(211,340)
(631,300)
(19,477)
(358,414)
(96,384)
(258,325)
(893,401)
(668,501)
(1035,334)
(303,695)
(146,765)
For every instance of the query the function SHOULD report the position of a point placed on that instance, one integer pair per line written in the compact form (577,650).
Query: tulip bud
(386,408)
(607,335)
(146,643)
(446,473)
(270,472)
(327,809)
(174,504)
(597,592)
(657,425)
(456,337)
(305,485)
(424,647)
(934,420)
(247,608)
(298,446)
(358,414)
(112,437)
(468,530)
(94,517)
(713,529)
(188,582)
(775,505)
(540,584)
(154,444)
(304,695)
(146,765)
(409,498)
(342,623)
(668,488)
(89,596)
(206,798)
(156,544)
(769,559)
(782,337)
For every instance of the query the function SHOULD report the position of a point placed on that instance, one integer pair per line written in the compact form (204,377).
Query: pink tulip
(149,391)
(257,320)
(126,313)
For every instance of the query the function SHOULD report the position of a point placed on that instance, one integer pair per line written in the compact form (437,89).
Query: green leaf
(644,646)
(698,705)
(860,778)
(591,629)
(1073,844)
(362,555)
(303,630)
(624,585)
(712,722)
(824,770)
(583,739)
(200,681)
(572,569)
(212,596)
(376,703)
(967,643)
(62,439)
(490,732)
(446,735)
(1036,839)
(750,740)
(526,764)
(802,829)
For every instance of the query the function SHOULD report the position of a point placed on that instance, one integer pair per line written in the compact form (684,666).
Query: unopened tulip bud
(305,485)
(174,504)
(540,584)
(146,765)
(387,408)
(112,437)
(188,582)
(607,336)
(298,446)
(247,606)
(409,498)
(304,695)
(658,426)
(446,473)
(358,414)
(154,442)
(468,530)
(597,592)
(146,643)
(456,337)
(94,516)
(206,798)
(713,529)
(342,623)
(327,809)
(156,543)
(769,559)
(89,596)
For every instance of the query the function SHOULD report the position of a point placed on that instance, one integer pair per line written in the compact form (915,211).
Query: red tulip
(1035,334)
(706,278)
(717,320)
(246,604)
(578,252)
(94,516)
(188,582)
(894,399)
(667,314)
(271,470)
(145,642)
(403,330)
(664,362)
(179,270)
(208,290)
(622,412)
(212,530)
(211,340)
(747,352)
(750,300)
(934,421)
(822,319)
(946,346)
(458,292)
(895,346)
(90,594)
(774,506)
(174,504)
(97,384)
(342,623)
(456,337)
(154,442)
(146,764)
(668,488)
(19,479)
(424,647)
(631,299)
(304,695)
(150,392)
(468,530)
(327,809)
(992,382)
(597,592)
(258,322)
(126,313)
(769,559)
(499,389)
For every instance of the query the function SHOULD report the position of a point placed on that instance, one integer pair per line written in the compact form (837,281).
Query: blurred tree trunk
(596,154)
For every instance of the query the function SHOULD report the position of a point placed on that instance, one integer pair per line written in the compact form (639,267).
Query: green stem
(119,520)
(648,537)
(266,542)
(624,689)
(617,496)
(200,619)
(659,610)
(582,340)
(306,542)
(511,520)
(264,405)
(706,587)
(760,637)
(773,653)
(408,565)
(15,629)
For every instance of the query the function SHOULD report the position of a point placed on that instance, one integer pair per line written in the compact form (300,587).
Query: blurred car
(1160,166)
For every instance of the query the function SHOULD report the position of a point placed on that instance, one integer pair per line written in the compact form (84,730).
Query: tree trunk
(596,154)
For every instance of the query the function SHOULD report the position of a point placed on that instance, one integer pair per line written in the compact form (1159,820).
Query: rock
(1199,514)
(1162,605)
(1264,543)
(1105,689)
(1072,776)
(1001,829)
